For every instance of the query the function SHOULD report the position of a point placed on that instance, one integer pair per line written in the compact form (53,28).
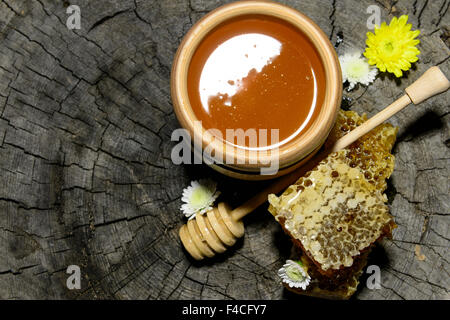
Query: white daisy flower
(293,274)
(199,197)
(356,69)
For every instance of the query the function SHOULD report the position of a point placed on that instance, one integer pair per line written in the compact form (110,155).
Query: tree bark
(85,141)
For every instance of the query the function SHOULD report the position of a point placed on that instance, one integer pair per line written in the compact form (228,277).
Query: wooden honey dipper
(207,235)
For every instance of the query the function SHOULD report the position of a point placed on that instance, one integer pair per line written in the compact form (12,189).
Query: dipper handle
(276,187)
(432,82)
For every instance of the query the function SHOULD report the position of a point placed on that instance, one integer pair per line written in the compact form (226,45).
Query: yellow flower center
(388,46)
(390,49)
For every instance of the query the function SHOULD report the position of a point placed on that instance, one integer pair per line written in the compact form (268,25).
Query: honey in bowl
(256,72)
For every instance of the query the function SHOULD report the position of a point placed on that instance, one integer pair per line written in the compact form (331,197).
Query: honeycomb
(370,153)
(337,210)
(334,212)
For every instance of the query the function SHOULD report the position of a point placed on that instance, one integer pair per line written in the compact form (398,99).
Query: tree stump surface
(87,179)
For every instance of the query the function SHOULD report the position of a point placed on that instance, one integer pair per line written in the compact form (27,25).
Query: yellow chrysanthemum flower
(393,47)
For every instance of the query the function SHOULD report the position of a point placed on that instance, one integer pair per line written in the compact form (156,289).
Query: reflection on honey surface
(256,73)
(235,59)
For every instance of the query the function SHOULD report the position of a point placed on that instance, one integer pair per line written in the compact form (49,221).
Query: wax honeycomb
(334,212)
(370,153)
(337,210)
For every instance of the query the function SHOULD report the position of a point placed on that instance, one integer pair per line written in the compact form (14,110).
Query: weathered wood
(86,175)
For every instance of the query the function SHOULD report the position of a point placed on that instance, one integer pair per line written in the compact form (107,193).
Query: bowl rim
(299,147)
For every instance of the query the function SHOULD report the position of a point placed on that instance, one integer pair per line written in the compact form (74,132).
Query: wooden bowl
(247,164)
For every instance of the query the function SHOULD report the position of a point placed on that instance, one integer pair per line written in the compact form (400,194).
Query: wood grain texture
(86,176)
